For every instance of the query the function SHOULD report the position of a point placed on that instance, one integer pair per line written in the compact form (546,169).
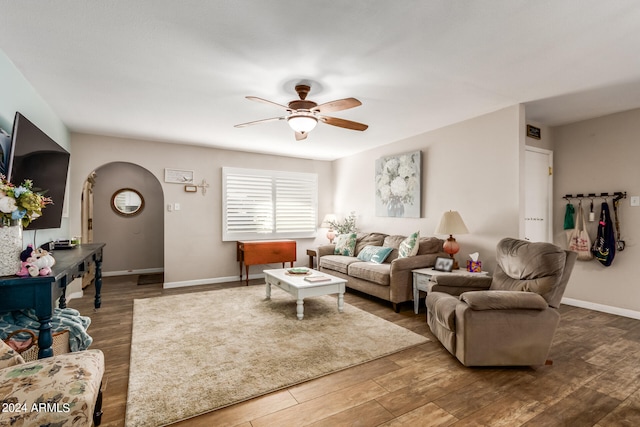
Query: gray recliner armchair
(513,321)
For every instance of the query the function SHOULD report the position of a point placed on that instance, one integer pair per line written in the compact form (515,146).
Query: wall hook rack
(616,195)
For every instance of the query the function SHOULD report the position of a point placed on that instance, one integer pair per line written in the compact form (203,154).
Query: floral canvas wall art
(398,180)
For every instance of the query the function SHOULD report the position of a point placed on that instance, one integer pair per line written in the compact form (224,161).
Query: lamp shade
(328,217)
(302,123)
(451,223)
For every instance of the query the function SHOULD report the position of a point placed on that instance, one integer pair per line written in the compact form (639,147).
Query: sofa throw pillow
(375,254)
(409,246)
(346,244)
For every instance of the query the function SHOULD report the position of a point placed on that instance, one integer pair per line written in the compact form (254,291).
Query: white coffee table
(297,286)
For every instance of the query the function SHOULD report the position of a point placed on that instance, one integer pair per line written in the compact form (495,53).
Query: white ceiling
(178,71)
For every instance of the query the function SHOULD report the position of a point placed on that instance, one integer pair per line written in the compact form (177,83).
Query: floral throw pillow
(409,246)
(375,254)
(346,244)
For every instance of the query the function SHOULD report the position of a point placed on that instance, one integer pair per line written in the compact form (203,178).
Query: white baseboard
(210,281)
(73,295)
(603,308)
(129,272)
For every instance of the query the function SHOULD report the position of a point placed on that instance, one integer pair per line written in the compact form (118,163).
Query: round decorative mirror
(127,202)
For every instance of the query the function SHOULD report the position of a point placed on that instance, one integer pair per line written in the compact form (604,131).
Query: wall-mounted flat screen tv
(5,152)
(35,156)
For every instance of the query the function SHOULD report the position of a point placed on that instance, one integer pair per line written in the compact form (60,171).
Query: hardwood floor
(594,379)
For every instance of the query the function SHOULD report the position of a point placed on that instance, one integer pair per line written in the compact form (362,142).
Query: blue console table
(40,293)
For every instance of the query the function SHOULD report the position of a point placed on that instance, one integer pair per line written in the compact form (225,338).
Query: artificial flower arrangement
(347,225)
(20,203)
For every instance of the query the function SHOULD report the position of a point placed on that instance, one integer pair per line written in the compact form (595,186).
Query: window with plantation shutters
(264,204)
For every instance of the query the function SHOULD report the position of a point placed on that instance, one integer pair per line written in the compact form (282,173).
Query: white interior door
(538,195)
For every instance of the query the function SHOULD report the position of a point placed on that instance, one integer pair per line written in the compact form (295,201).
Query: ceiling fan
(303,115)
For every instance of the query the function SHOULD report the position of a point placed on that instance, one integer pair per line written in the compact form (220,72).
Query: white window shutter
(260,204)
(295,204)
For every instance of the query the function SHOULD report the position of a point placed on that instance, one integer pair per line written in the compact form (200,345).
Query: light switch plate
(635,201)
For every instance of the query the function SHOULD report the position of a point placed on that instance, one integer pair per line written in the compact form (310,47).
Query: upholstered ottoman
(59,390)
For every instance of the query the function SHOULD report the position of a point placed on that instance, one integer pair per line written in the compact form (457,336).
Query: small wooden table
(312,254)
(256,252)
(422,281)
(297,286)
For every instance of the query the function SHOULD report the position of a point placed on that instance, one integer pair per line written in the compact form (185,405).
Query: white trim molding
(603,308)
(130,272)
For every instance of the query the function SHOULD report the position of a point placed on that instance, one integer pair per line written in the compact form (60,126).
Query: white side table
(422,281)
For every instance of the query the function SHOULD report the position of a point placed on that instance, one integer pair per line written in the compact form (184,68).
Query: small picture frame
(443,264)
(533,132)
(178,176)
(191,188)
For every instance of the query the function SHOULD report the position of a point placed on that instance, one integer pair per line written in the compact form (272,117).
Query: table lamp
(451,223)
(329,218)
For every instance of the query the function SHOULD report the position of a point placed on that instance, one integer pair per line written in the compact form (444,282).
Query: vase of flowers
(19,205)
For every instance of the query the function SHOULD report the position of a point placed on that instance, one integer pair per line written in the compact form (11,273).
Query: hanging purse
(579,240)
(604,247)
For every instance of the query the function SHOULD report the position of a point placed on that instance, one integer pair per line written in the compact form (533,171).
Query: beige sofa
(513,322)
(390,280)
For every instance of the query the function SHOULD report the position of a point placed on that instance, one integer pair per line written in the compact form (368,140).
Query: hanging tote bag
(568,217)
(579,240)
(604,247)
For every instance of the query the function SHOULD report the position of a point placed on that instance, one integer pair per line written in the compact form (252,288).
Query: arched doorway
(134,243)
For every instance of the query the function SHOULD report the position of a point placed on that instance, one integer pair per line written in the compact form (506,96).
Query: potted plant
(347,225)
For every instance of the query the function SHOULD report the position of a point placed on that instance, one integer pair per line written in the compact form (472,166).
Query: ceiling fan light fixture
(302,123)
(303,115)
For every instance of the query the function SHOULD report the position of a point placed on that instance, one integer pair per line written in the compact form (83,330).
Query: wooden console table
(40,293)
(265,252)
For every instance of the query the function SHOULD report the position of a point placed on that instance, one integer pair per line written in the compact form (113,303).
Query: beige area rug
(197,352)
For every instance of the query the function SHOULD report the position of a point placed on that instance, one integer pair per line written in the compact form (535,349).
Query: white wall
(598,156)
(194,251)
(472,167)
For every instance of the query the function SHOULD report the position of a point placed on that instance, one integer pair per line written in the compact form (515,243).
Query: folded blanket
(65,318)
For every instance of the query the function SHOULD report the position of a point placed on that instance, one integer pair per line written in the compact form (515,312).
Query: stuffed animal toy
(42,260)
(26,254)
(35,262)
(28,269)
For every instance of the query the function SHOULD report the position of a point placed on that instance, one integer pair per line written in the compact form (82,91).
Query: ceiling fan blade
(273,119)
(337,105)
(347,124)
(301,136)
(265,101)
